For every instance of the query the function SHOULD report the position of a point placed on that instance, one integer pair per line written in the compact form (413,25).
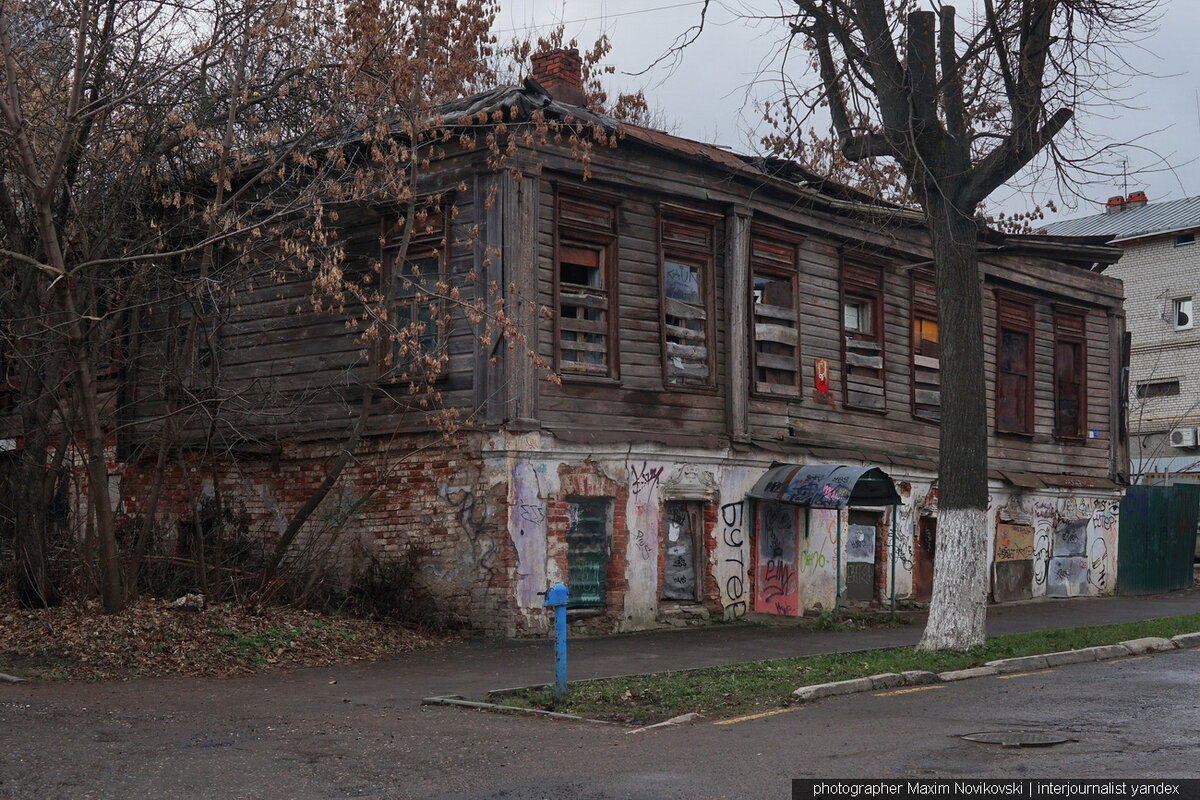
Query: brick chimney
(1136,200)
(1114,205)
(559,71)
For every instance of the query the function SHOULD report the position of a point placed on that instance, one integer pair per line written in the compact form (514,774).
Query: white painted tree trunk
(958,611)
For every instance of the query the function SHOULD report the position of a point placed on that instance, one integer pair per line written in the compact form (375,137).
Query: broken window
(773,265)
(586,296)
(862,326)
(926,363)
(687,260)
(587,551)
(1014,364)
(1070,372)
(1181,312)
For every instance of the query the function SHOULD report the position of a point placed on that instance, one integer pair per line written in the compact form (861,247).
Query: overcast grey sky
(710,93)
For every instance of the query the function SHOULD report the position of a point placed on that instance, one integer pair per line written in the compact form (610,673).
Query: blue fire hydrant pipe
(556,598)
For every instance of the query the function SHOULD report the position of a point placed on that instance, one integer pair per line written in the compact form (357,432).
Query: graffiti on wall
(904,536)
(1071,542)
(732,535)
(644,480)
(527,527)
(776,586)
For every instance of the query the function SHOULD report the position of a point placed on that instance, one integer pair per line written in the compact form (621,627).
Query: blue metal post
(556,598)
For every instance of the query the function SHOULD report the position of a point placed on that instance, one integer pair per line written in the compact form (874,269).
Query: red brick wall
(436,497)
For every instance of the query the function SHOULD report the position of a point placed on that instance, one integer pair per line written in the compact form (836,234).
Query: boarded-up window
(926,363)
(686,281)
(862,326)
(1014,363)
(587,551)
(1070,372)
(586,296)
(776,321)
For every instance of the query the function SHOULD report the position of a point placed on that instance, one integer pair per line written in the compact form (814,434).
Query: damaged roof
(520,102)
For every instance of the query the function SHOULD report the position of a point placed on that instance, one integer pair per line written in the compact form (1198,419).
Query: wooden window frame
(1016,313)
(430,242)
(701,254)
(1070,327)
(600,232)
(862,279)
(923,305)
(786,267)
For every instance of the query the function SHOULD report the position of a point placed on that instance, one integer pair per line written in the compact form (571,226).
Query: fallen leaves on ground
(147,639)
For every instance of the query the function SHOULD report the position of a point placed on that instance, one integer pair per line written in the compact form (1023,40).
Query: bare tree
(158,161)
(960,110)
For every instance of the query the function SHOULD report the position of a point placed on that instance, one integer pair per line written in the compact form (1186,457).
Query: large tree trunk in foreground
(958,611)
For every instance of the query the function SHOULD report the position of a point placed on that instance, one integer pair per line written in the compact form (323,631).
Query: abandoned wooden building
(746,412)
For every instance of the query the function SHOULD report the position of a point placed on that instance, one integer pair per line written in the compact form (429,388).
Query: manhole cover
(1018,738)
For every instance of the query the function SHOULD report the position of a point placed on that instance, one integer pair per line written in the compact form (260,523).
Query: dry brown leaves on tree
(147,639)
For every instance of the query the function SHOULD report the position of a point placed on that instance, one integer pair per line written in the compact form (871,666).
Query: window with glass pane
(417,303)
(857,316)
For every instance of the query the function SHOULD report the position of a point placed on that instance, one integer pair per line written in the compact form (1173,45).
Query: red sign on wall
(821,374)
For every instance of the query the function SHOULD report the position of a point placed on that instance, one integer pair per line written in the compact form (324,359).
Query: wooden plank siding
(273,351)
(297,374)
(639,405)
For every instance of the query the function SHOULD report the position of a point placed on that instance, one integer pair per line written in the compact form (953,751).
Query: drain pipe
(837,602)
(892,551)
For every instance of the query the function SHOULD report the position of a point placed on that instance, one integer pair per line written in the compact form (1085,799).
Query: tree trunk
(958,611)
(31,535)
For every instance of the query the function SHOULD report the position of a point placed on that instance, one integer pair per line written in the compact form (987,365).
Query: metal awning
(826,486)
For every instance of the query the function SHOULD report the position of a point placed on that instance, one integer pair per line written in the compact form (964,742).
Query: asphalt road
(301,736)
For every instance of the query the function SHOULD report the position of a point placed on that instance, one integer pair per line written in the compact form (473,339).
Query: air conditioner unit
(1183,437)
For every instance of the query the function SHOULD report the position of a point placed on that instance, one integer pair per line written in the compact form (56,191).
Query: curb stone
(1186,640)
(1148,644)
(456,700)
(1022,664)
(918,677)
(886,680)
(1064,657)
(1104,652)
(963,674)
(835,688)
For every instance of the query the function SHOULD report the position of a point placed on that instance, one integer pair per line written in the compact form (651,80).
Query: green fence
(1157,538)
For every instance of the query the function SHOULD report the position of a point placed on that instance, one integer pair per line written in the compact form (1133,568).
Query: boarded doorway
(682,551)
(862,544)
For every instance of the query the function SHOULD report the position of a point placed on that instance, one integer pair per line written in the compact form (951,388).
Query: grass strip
(745,688)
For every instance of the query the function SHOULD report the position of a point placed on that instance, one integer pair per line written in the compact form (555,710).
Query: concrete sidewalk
(476,666)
